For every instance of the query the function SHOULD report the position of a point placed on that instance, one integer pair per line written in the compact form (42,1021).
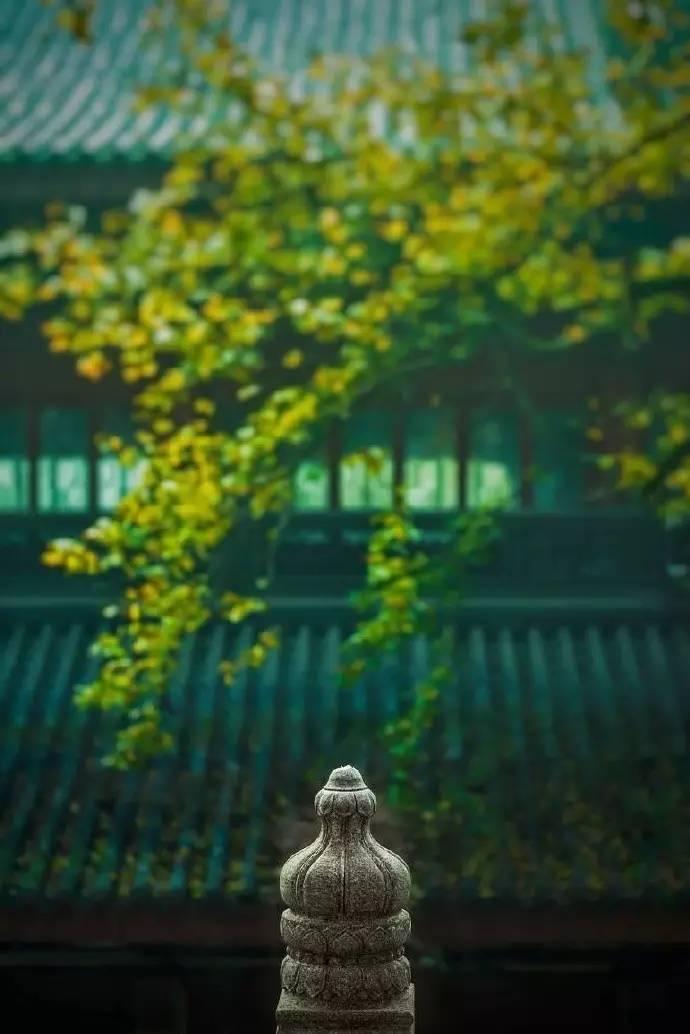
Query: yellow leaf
(92,366)
(328,218)
(293,359)
(172,381)
(248,391)
(394,230)
(641,419)
(171,223)
(575,333)
(163,426)
(196,333)
(678,433)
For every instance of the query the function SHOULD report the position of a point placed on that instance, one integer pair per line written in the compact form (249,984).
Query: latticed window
(115,479)
(419,447)
(431,467)
(311,484)
(558,449)
(63,466)
(366,484)
(429,462)
(14,461)
(493,465)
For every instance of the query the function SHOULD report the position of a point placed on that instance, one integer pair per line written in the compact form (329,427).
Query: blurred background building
(149,899)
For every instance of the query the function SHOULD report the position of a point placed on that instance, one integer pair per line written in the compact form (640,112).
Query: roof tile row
(536,723)
(63,100)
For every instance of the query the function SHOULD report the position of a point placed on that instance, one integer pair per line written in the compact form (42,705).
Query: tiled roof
(604,707)
(60,99)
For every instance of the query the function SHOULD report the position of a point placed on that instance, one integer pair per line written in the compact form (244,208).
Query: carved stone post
(345,925)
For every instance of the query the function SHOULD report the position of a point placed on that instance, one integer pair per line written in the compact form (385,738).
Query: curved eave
(63,102)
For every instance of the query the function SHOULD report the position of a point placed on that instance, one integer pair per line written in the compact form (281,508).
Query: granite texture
(346,923)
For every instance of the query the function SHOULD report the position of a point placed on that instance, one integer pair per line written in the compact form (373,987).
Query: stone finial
(346,925)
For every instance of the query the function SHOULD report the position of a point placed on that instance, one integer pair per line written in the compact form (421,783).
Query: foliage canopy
(300,258)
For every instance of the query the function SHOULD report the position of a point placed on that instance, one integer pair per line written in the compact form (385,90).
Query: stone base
(307,1016)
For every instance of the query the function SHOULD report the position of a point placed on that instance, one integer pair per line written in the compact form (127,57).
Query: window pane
(360,486)
(493,468)
(63,480)
(113,479)
(558,461)
(14,464)
(311,485)
(431,463)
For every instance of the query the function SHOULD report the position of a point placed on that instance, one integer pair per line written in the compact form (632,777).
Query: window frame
(34,410)
(333,446)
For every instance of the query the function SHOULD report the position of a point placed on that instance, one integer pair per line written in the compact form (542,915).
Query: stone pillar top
(347,777)
(345,871)
(346,925)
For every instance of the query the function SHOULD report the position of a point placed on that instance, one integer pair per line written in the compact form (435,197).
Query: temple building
(148,899)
